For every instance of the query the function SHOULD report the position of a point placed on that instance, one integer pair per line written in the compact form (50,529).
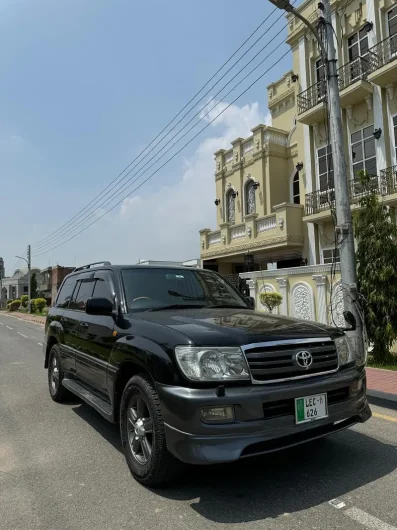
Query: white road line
(9,327)
(368,520)
(2,323)
(22,335)
(39,343)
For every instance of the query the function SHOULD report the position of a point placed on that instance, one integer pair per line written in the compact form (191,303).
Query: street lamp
(29,288)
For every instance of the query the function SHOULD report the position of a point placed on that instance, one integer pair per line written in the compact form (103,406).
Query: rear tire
(143,434)
(55,375)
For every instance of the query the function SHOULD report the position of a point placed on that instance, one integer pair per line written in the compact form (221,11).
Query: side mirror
(351,320)
(251,301)
(99,306)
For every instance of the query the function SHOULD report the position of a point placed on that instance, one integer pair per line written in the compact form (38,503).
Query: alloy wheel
(140,430)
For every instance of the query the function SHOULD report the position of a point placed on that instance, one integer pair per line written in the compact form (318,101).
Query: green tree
(33,286)
(376,234)
(270,300)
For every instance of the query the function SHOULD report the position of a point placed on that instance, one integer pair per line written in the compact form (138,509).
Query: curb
(382,395)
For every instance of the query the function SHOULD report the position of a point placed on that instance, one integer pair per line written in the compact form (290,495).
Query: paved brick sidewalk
(382,383)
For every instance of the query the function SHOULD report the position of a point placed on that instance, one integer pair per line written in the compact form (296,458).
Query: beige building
(274,190)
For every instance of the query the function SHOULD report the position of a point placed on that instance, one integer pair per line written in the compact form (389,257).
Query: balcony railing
(324,199)
(348,74)
(383,53)
(214,238)
(389,180)
(351,72)
(313,95)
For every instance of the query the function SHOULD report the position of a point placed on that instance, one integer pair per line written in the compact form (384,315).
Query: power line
(171,158)
(169,123)
(71,229)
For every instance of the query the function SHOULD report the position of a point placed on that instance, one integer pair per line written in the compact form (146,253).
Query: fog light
(357,387)
(217,414)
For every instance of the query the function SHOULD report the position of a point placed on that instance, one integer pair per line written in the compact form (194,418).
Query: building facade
(13,287)
(51,279)
(274,191)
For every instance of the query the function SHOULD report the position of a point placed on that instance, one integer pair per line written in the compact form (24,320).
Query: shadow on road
(272,485)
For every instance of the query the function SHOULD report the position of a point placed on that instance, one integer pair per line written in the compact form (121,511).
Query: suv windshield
(155,289)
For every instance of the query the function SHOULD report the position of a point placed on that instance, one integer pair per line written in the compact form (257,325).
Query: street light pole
(344,229)
(29,264)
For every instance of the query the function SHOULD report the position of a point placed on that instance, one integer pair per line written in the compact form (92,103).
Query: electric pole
(29,280)
(344,222)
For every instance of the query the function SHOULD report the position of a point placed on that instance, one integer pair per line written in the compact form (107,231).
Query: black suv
(191,372)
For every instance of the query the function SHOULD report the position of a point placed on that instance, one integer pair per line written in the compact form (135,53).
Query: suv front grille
(272,361)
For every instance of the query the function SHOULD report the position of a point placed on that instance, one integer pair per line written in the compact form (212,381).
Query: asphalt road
(61,468)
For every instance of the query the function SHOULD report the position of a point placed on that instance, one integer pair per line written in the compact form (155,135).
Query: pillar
(283,288)
(321,283)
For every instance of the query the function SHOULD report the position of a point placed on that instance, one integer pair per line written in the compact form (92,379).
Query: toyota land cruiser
(191,371)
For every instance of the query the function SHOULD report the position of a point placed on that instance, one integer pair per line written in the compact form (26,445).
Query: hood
(234,327)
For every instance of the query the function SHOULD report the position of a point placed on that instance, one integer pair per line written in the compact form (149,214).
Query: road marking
(39,343)
(2,323)
(368,520)
(22,335)
(337,503)
(384,417)
(9,327)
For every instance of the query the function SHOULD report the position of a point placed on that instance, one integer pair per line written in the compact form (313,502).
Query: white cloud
(268,119)
(166,223)
(16,139)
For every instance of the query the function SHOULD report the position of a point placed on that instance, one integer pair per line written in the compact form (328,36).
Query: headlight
(344,349)
(212,364)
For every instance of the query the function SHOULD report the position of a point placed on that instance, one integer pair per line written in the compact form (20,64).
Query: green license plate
(311,408)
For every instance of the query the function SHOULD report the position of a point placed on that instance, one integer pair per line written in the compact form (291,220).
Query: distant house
(15,286)
(51,279)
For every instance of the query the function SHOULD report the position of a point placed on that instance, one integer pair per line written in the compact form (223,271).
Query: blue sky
(86,84)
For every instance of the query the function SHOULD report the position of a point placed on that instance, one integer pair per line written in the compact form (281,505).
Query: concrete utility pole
(29,280)
(344,228)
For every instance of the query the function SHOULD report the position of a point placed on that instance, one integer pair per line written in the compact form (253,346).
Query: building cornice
(219,253)
(292,271)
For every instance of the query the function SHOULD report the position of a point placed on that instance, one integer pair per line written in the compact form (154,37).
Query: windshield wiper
(177,306)
(228,306)
(186,297)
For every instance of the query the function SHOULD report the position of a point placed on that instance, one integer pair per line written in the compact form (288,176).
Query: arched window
(296,196)
(230,207)
(250,206)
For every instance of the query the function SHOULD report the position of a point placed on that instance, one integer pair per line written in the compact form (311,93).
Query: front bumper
(254,431)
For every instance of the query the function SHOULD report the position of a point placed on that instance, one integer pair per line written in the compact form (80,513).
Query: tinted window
(103,286)
(83,293)
(147,288)
(65,294)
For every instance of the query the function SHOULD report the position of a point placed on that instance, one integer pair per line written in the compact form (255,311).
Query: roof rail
(89,265)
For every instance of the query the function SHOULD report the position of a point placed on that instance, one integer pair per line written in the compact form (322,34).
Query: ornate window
(250,206)
(296,196)
(230,207)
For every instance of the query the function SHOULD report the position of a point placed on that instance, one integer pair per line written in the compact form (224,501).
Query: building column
(307,167)
(283,288)
(380,145)
(252,287)
(321,282)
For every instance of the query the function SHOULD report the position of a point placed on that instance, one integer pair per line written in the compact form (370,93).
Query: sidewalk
(382,384)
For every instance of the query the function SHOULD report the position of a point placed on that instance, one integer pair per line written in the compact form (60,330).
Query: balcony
(389,184)
(353,85)
(353,88)
(319,204)
(383,62)
(278,230)
(310,103)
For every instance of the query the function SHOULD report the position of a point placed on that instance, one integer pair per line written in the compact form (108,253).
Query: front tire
(143,434)
(55,375)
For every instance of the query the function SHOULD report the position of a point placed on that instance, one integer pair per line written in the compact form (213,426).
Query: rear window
(66,292)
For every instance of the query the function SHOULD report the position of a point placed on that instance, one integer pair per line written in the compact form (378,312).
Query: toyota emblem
(304,359)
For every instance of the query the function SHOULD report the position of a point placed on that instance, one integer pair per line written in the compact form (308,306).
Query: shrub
(33,306)
(24,300)
(40,304)
(270,300)
(15,305)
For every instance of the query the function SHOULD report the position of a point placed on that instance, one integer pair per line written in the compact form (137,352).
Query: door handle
(84,324)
